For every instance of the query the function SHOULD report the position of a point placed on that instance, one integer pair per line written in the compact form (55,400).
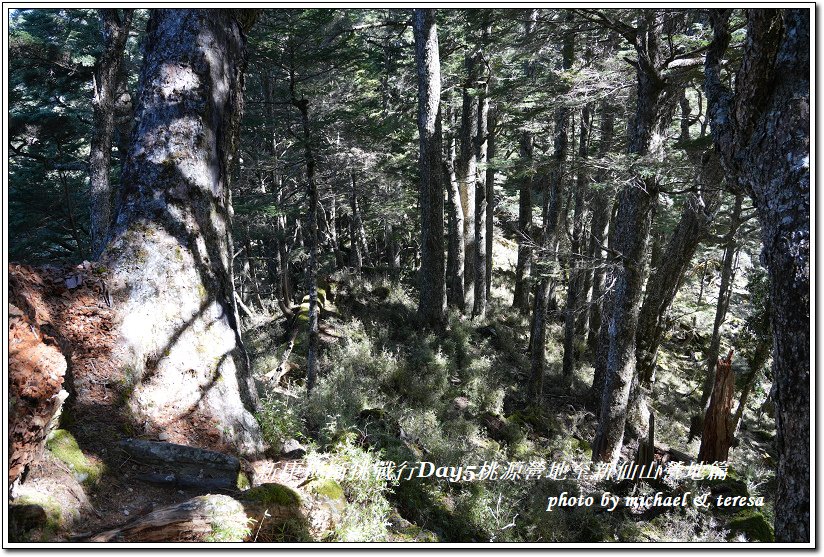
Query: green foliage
(52,54)
(280,419)
(365,518)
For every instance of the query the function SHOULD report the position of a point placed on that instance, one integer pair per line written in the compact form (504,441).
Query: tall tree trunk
(756,362)
(724,292)
(282,282)
(762,131)
(492,124)
(355,256)
(311,239)
(481,201)
(665,281)
(179,341)
(284,279)
(632,228)
(716,438)
(455,268)
(601,210)
(467,172)
(115,32)
(250,259)
(553,193)
(332,227)
(574,286)
(432,303)
(520,299)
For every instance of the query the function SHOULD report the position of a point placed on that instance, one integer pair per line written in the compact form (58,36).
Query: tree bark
(481,201)
(665,281)
(455,267)
(179,338)
(724,292)
(636,203)
(601,211)
(553,193)
(762,131)
(520,299)
(312,240)
(759,358)
(432,302)
(467,172)
(115,32)
(718,424)
(490,196)
(355,257)
(574,286)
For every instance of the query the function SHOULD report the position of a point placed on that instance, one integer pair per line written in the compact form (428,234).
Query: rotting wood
(718,424)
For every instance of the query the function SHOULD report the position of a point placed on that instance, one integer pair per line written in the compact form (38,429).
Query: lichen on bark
(170,258)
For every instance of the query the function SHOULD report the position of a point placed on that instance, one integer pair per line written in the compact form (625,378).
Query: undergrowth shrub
(280,418)
(352,371)
(366,516)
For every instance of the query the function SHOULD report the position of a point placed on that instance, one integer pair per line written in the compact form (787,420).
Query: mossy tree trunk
(170,258)
(762,130)
(636,203)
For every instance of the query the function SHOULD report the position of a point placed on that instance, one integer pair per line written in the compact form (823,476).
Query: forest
(408,275)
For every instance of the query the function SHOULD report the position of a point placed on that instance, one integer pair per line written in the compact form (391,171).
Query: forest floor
(390,393)
(404,395)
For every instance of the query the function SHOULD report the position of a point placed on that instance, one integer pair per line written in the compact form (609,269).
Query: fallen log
(284,367)
(270,512)
(184,466)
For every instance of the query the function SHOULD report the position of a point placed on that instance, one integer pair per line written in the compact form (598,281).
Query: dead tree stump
(718,423)
(37,367)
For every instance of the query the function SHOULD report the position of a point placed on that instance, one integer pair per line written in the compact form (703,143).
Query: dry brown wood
(37,368)
(718,425)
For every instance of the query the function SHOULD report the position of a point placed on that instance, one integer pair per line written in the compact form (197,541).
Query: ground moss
(753,525)
(326,487)
(54,517)
(64,447)
(413,533)
(273,494)
(243,481)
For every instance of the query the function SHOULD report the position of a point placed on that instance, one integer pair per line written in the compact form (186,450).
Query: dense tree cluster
(617,154)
